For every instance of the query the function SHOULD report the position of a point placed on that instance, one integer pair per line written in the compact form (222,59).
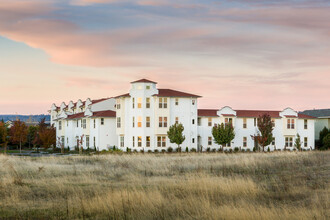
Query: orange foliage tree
(18,133)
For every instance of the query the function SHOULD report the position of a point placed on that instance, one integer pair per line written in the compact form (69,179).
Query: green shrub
(178,149)
(149,151)
(187,149)
(170,150)
(213,150)
(156,151)
(208,149)
(193,150)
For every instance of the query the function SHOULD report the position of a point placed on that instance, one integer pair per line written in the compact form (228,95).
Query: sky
(247,54)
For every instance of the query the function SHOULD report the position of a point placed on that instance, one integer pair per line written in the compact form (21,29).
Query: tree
(41,127)
(32,134)
(48,137)
(19,133)
(326,142)
(323,133)
(175,134)
(297,142)
(223,134)
(265,131)
(3,135)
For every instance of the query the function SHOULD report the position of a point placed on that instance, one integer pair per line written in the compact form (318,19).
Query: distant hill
(34,118)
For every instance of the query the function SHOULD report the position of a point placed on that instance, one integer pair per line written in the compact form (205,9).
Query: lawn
(279,185)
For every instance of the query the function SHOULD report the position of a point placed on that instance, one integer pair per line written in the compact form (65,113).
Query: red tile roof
(305,116)
(108,113)
(228,115)
(123,95)
(143,81)
(75,116)
(174,93)
(290,116)
(99,100)
(207,112)
(256,113)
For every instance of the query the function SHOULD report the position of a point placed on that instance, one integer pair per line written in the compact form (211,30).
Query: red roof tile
(75,116)
(256,113)
(290,116)
(174,93)
(108,113)
(123,95)
(99,100)
(207,112)
(305,116)
(228,115)
(143,81)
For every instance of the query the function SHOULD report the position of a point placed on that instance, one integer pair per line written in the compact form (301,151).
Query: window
(87,141)
(290,123)
(163,122)
(139,122)
(133,102)
(77,123)
(193,140)
(288,141)
(305,141)
(122,139)
(94,141)
(176,101)
(273,141)
(84,123)
(94,123)
(67,140)
(118,103)
(60,125)
(305,124)
(161,141)
(244,141)
(133,122)
(193,102)
(148,122)
(162,102)
(148,141)
(176,120)
(209,141)
(81,123)
(244,123)
(199,121)
(193,121)
(209,123)
(67,123)
(139,141)
(147,102)
(133,141)
(255,122)
(102,121)
(118,122)
(62,140)
(228,121)
(147,87)
(139,102)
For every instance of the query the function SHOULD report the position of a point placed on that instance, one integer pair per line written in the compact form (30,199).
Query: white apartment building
(139,121)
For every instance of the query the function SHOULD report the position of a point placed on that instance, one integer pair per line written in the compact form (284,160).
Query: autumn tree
(41,127)
(18,133)
(175,134)
(223,134)
(47,137)
(326,142)
(265,131)
(4,135)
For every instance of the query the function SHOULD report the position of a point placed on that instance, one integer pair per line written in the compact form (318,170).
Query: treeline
(21,135)
(34,118)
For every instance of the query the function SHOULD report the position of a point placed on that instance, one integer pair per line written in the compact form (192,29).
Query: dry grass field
(286,185)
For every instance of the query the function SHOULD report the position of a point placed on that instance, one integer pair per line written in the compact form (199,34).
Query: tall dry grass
(178,186)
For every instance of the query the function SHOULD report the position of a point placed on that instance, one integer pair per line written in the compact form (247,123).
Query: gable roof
(76,116)
(107,113)
(207,112)
(318,113)
(143,81)
(174,93)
